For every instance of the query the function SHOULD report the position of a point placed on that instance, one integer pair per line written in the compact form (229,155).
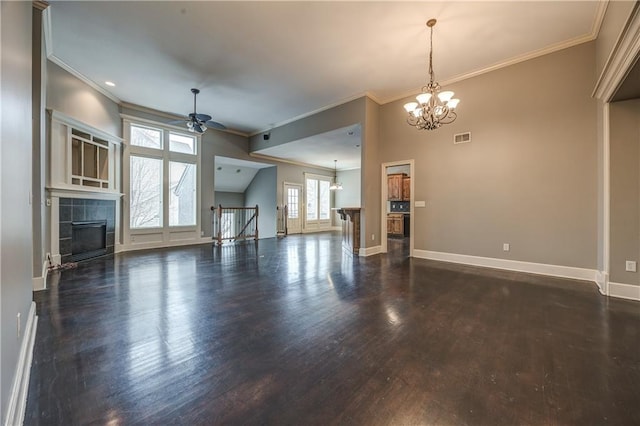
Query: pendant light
(335,185)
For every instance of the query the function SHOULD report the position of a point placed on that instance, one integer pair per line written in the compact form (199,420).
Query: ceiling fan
(198,123)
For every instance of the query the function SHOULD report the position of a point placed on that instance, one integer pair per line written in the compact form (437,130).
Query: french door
(293,200)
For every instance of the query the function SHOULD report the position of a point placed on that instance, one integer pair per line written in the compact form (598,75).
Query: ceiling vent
(462,137)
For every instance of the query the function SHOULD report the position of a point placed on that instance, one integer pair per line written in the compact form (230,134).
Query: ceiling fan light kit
(198,123)
(433,107)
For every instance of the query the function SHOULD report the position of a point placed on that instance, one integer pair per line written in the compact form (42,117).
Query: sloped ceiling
(232,175)
(259,64)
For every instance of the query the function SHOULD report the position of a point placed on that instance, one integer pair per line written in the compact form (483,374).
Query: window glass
(325,200)
(145,192)
(181,143)
(146,137)
(292,203)
(312,199)
(182,194)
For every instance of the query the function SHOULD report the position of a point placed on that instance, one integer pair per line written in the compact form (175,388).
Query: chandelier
(434,108)
(335,185)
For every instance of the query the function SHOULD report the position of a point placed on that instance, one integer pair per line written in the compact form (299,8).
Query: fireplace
(86,228)
(88,239)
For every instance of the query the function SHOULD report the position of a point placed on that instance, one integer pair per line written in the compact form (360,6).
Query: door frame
(383,203)
(300,203)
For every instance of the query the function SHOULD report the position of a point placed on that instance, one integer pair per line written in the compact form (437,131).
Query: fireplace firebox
(88,239)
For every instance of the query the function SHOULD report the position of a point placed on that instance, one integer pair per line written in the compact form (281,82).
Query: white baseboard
(602,280)
(510,265)
(20,386)
(40,283)
(624,291)
(369,251)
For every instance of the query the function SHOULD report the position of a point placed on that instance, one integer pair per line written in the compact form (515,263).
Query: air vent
(462,137)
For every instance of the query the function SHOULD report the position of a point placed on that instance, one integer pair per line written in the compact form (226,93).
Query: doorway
(397,209)
(293,200)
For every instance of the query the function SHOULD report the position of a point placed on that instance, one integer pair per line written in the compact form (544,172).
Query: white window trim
(317,224)
(164,236)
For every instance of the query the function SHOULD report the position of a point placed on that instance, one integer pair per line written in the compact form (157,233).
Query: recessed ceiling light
(219,168)
(110,83)
(238,171)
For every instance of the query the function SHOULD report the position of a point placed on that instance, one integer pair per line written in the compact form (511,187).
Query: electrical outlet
(630,266)
(18,326)
(506,247)
(48,202)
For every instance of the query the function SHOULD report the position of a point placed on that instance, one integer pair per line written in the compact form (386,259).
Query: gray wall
(334,118)
(262,192)
(349,196)
(625,189)
(73,97)
(370,183)
(529,176)
(38,157)
(229,199)
(15,186)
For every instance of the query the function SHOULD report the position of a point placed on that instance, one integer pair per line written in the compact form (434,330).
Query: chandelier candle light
(434,108)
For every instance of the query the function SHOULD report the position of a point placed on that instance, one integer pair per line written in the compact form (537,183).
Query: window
(182,194)
(318,201)
(146,137)
(312,199)
(180,143)
(163,180)
(145,209)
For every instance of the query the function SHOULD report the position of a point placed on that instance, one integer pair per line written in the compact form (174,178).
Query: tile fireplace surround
(81,210)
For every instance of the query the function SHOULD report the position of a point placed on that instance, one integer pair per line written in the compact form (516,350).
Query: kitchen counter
(350,228)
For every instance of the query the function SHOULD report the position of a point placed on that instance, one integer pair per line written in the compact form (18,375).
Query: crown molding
(622,57)
(40,5)
(592,35)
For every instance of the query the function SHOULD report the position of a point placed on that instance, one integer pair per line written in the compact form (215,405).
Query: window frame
(317,224)
(165,234)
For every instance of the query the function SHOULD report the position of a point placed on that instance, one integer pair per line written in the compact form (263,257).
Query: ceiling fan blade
(203,117)
(197,128)
(215,125)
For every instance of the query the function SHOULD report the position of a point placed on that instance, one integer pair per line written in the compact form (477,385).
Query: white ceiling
(233,175)
(263,63)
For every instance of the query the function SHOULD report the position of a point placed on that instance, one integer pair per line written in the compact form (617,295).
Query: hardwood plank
(293,331)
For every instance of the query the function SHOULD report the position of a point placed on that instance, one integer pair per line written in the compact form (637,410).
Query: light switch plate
(421,203)
(630,266)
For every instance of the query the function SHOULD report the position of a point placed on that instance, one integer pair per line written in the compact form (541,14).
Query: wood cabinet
(398,187)
(395,224)
(394,186)
(406,188)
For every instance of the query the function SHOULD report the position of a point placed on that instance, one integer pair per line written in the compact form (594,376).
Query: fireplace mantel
(83,193)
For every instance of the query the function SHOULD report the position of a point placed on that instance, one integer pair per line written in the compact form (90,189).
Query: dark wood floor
(297,332)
